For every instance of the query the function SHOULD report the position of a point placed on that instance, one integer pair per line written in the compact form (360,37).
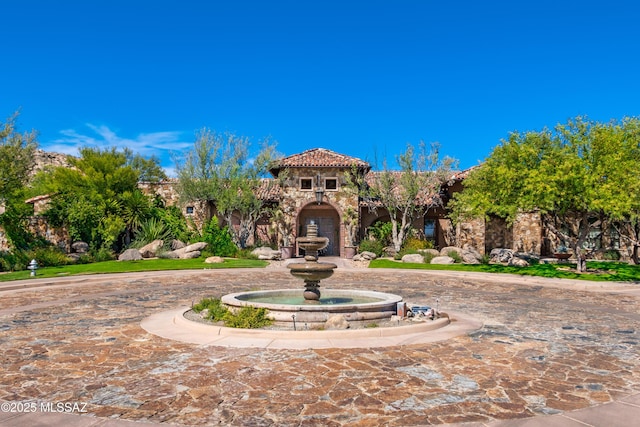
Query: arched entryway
(328,221)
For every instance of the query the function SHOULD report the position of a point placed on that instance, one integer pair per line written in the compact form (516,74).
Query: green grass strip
(131,266)
(598,271)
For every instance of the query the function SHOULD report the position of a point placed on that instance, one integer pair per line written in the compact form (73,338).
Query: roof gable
(321,158)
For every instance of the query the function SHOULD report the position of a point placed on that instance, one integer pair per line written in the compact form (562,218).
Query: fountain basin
(287,305)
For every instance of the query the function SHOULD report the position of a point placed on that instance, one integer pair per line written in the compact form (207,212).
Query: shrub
(456,256)
(246,254)
(414,243)
(247,318)
(150,230)
(219,239)
(374,246)
(13,261)
(217,311)
(382,231)
(428,257)
(49,257)
(611,255)
(403,252)
(102,254)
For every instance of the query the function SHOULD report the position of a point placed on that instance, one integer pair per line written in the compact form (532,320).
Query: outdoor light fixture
(319,190)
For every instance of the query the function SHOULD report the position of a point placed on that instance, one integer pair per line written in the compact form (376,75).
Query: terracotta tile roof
(461,175)
(269,190)
(320,158)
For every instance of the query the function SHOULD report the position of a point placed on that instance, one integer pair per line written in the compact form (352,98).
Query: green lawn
(597,270)
(130,266)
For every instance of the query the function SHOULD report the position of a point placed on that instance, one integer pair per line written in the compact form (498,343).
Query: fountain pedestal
(312,271)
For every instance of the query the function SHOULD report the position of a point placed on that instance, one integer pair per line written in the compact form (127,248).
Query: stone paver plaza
(547,347)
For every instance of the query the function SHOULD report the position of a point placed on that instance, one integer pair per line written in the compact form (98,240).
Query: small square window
(306,183)
(331,184)
(189,210)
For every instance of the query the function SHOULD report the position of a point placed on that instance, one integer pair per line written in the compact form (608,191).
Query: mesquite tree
(576,176)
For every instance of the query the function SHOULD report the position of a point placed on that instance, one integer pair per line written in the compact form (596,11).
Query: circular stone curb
(173,325)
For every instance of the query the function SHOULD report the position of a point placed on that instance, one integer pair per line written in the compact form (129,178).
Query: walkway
(551,352)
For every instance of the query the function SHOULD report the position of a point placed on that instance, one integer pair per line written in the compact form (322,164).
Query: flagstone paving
(546,347)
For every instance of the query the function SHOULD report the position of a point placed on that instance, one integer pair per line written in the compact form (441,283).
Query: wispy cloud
(160,144)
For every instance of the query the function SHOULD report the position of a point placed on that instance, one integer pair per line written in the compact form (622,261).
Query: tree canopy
(16,160)
(16,157)
(97,199)
(410,191)
(219,170)
(575,175)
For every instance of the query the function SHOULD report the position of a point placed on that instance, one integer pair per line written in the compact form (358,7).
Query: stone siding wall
(39,226)
(497,234)
(527,233)
(471,233)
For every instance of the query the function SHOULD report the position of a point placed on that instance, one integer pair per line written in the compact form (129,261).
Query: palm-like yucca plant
(150,230)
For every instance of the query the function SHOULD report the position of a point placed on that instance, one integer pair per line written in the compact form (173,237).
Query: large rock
(190,255)
(214,260)
(365,256)
(414,258)
(177,244)
(447,249)
(443,260)
(500,256)
(337,321)
(195,247)
(265,252)
(518,262)
(470,256)
(130,255)
(151,249)
(529,257)
(80,247)
(429,252)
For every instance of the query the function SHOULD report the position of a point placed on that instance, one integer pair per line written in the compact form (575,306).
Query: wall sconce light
(319,191)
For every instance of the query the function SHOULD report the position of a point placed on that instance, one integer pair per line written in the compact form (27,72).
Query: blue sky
(363,78)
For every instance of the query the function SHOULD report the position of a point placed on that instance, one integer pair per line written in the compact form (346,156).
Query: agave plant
(150,230)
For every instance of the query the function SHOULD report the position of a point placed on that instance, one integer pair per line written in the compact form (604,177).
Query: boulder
(169,255)
(177,244)
(445,251)
(80,247)
(265,252)
(365,256)
(337,321)
(214,260)
(130,255)
(430,252)
(518,262)
(443,260)
(500,256)
(189,255)
(414,258)
(470,256)
(529,257)
(150,250)
(195,247)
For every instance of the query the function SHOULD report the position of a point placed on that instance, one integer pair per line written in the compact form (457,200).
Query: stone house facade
(314,186)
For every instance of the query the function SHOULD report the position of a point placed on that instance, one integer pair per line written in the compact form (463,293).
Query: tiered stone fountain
(311,309)
(312,271)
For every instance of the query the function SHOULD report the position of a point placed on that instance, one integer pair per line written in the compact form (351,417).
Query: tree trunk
(581,264)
